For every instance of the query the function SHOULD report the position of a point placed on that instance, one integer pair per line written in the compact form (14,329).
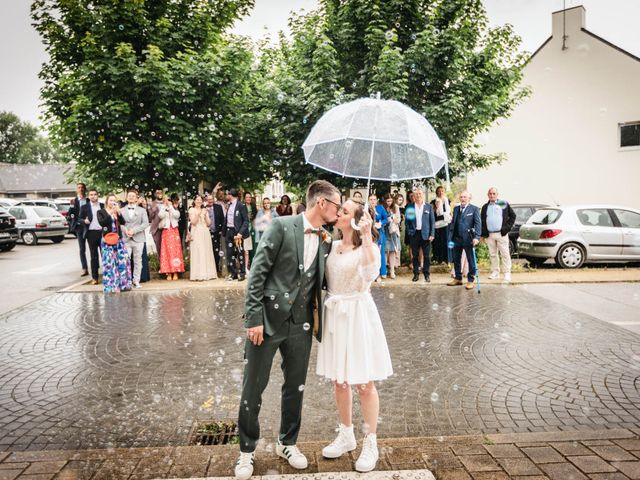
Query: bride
(354,349)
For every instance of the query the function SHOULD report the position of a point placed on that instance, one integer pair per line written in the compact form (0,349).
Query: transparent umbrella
(377,140)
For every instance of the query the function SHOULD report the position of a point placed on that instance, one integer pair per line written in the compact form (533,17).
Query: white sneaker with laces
(494,275)
(344,442)
(294,456)
(369,454)
(507,277)
(244,466)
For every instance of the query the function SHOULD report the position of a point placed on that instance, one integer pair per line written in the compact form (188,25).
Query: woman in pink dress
(171,259)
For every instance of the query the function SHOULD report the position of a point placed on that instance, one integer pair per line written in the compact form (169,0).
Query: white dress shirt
(419,211)
(311,244)
(94,225)
(230,214)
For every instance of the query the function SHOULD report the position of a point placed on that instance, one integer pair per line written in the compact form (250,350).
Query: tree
(22,142)
(440,57)
(149,93)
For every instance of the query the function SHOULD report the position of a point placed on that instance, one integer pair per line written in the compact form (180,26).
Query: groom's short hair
(318,190)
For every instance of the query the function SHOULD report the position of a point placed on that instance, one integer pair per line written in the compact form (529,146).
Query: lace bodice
(345,272)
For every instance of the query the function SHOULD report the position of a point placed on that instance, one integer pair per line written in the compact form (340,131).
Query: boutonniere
(325,236)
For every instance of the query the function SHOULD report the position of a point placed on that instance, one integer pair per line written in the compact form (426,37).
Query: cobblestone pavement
(135,370)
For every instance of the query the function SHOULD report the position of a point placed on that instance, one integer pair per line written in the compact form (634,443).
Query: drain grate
(214,432)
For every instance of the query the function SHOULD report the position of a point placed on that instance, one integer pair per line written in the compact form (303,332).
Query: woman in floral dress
(116,269)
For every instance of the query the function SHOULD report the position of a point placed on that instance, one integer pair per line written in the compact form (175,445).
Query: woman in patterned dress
(116,269)
(171,258)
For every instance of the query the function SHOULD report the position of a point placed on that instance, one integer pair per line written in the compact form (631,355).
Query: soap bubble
(306,326)
(435,397)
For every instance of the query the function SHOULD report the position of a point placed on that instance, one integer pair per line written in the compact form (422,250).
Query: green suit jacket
(275,282)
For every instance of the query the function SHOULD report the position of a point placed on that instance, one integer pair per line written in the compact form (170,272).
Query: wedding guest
(145,275)
(379,214)
(465,231)
(302,207)
(92,231)
(171,258)
(184,217)
(133,233)
(78,227)
(392,234)
(202,263)
(219,196)
(354,349)
(442,210)
(252,210)
(216,216)
(264,218)
(154,219)
(357,196)
(116,269)
(407,240)
(235,229)
(285,206)
(421,227)
(497,218)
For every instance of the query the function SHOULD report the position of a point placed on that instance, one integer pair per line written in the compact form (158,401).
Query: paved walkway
(82,371)
(595,455)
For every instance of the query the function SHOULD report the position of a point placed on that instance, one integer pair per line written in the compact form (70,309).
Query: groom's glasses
(334,203)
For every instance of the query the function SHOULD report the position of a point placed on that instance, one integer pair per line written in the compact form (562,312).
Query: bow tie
(311,231)
(131,208)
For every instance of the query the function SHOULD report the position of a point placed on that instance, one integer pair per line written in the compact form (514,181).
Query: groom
(284,290)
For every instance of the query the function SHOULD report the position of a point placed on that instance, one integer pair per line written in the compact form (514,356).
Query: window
(522,214)
(18,213)
(628,219)
(595,217)
(630,134)
(45,212)
(545,216)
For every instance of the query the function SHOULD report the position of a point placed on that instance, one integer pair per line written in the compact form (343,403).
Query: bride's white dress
(353,348)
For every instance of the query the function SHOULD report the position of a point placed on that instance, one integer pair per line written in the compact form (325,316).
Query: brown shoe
(84,273)
(94,282)
(469,286)
(454,282)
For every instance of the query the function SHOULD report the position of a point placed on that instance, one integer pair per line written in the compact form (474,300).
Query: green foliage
(150,93)
(21,142)
(438,56)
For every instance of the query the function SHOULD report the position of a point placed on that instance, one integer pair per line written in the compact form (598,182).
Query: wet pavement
(83,370)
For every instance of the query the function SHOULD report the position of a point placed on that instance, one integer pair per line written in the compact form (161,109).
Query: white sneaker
(344,442)
(369,454)
(494,275)
(244,466)
(294,456)
(507,277)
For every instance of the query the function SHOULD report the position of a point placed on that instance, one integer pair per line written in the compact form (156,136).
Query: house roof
(35,177)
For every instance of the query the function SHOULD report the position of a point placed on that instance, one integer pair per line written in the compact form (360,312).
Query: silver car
(35,223)
(577,234)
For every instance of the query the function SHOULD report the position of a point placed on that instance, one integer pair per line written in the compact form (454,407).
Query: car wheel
(7,246)
(57,239)
(29,238)
(571,255)
(535,262)
(512,248)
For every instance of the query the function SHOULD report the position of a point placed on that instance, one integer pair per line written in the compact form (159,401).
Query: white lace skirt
(353,348)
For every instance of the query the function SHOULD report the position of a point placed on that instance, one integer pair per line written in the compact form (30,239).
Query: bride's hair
(356,239)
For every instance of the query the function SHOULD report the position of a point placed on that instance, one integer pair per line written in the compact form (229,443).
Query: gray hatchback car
(35,223)
(579,234)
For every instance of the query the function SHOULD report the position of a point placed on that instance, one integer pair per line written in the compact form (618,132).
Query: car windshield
(45,212)
(546,216)
(63,207)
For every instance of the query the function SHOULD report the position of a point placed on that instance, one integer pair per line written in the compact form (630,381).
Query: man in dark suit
(77,227)
(92,230)
(216,215)
(465,235)
(421,229)
(235,229)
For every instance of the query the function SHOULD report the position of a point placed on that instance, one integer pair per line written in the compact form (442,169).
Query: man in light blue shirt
(497,218)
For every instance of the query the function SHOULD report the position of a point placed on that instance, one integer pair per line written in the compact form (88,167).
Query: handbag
(112,238)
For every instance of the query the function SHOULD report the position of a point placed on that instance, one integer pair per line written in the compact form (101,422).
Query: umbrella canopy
(377,140)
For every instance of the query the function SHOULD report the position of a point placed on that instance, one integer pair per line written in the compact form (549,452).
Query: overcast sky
(22,53)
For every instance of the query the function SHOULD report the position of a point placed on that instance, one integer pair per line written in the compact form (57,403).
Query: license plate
(5,235)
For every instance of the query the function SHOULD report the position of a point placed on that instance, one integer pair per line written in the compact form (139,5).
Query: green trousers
(294,343)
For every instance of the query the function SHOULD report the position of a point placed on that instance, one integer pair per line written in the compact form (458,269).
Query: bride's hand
(365,226)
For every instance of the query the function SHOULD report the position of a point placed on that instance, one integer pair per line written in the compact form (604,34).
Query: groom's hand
(256,335)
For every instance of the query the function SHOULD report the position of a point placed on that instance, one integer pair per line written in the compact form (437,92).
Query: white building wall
(562,142)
